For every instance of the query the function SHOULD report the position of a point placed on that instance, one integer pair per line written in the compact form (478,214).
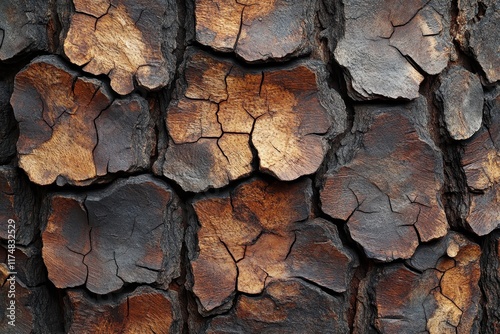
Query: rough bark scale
(237,166)
(436,291)
(23,27)
(462,101)
(257,234)
(145,310)
(129,232)
(378,37)
(477,28)
(222,111)
(256,30)
(387,182)
(481,163)
(225,234)
(291,306)
(125,40)
(71,128)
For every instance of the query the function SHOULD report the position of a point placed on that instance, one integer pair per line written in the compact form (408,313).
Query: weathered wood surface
(222,111)
(477,31)
(462,99)
(258,234)
(436,291)
(71,128)
(125,40)
(481,163)
(145,310)
(284,166)
(36,307)
(256,30)
(130,232)
(380,36)
(23,27)
(286,306)
(386,182)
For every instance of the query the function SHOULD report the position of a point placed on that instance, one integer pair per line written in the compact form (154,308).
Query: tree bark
(237,166)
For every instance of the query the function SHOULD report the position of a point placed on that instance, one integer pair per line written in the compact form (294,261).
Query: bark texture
(436,291)
(222,111)
(387,185)
(104,239)
(125,40)
(244,166)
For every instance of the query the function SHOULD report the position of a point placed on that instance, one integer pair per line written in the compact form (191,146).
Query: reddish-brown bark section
(224,111)
(260,233)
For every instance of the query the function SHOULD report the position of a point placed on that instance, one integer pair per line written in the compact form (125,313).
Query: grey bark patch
(462,99)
